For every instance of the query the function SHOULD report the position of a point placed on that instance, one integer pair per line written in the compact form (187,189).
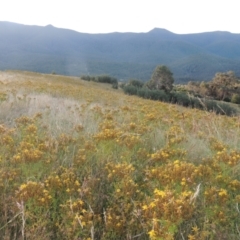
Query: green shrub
(219,107)
(85,77)
(101,79)
(144,93)
(197,103)
(181,98)
(130,90)
(160,95)
(136,83)
(115,85)
(106,79)
(235,98)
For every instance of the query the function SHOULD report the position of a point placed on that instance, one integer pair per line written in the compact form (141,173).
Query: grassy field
(80,160)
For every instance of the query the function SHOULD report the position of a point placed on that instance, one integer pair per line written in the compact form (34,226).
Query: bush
(159,95)
(235,98)
(101,79)
(197,103)
(115,85)
(106,79)
(144,93)
(130,90)
(85,77)
(219,107)
(181,98)
(136,83)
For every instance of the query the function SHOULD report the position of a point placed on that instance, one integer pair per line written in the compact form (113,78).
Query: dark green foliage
(136,83)
(235,98)
(102,79)
(180,98)
(130,90)
(197,102)
(88,78)
(85,77)
(162,79)
(219,107)
(106,79)
(146,93)
(184,99)
(159,95)
(122,84)
(115,85)
(123,55)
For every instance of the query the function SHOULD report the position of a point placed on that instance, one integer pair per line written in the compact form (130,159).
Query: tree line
(102,79)
(209,96)
(223,87)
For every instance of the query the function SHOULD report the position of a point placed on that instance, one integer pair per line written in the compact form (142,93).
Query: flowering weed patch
(80,160)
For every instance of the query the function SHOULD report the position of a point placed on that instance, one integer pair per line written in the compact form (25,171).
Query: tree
(162,79)
(223,83)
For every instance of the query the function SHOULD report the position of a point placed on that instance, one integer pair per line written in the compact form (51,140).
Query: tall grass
(80,160)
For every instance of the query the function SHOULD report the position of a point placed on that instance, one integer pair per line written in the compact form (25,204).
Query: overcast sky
(104,16)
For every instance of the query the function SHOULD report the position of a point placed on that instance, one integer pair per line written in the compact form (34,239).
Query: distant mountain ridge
(122,55)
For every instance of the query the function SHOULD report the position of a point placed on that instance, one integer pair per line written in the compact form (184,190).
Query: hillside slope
(80,160)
